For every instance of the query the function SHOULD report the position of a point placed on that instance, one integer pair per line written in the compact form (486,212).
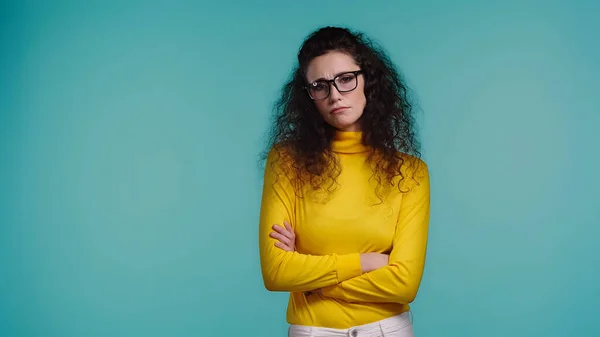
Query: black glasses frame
(329,82)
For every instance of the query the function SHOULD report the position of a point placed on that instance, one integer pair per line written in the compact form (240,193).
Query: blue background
(130,184)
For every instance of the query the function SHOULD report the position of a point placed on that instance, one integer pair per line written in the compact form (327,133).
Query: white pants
(396,326)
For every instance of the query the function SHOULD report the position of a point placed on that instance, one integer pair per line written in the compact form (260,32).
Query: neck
(348,142)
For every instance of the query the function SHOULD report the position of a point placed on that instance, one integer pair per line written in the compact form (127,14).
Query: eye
(346,78)
(318,86)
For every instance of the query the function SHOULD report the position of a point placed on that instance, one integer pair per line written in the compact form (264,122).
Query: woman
(345,205)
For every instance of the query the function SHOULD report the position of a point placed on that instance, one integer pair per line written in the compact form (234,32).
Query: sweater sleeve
(292,271)
(399,281)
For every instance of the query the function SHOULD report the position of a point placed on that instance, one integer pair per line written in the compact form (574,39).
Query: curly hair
(387,122)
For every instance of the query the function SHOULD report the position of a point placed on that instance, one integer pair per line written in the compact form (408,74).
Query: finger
(288,227)
(283,239)
(279,229)
(284,247)
(283,232)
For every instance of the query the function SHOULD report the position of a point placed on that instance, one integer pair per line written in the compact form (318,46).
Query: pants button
(354,333)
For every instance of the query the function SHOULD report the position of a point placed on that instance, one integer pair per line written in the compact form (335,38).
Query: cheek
(322,106)
(358,99)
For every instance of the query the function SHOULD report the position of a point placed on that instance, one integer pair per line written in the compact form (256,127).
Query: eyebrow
(334,76)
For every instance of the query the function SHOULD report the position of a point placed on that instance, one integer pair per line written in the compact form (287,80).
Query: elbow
(274,282)
(408,297)
(406,292)
(271,283)
(277,275)
(282,282)
(272,277)
(407,282)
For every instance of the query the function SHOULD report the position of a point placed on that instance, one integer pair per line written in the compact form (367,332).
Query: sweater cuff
(348,266)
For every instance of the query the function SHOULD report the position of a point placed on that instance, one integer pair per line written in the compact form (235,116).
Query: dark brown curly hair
(387,123)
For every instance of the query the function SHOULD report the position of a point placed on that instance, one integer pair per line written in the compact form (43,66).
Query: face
(342,110)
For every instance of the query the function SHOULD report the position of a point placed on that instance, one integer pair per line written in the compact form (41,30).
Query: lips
(338,110)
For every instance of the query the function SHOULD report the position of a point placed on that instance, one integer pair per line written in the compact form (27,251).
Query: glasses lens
(346,82)
(319,89)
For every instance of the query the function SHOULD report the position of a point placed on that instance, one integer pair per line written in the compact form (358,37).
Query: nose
(334,94)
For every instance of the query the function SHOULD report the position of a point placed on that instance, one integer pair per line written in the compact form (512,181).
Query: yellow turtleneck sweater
(332,230)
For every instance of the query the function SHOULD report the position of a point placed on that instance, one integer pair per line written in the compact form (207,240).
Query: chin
(344,125)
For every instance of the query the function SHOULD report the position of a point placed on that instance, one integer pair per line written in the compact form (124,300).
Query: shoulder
(279,154)
(414,170)
(412,164)
(279,161)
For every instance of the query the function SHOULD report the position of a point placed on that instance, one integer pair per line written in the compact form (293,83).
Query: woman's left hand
(285,236)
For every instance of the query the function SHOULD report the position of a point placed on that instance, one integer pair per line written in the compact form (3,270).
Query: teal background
(130,184)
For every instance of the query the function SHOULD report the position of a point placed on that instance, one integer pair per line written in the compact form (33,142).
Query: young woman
(345,205)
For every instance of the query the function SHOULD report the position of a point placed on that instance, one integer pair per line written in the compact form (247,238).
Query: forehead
(329,65)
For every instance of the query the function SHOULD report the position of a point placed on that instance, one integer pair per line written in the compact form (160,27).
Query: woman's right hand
(373,261)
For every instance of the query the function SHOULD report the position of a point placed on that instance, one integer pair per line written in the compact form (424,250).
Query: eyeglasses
(344,82)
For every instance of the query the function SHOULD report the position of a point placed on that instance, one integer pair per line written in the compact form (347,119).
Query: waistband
(398,321)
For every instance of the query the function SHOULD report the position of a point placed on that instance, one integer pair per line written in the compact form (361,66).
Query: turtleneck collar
(348,142)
